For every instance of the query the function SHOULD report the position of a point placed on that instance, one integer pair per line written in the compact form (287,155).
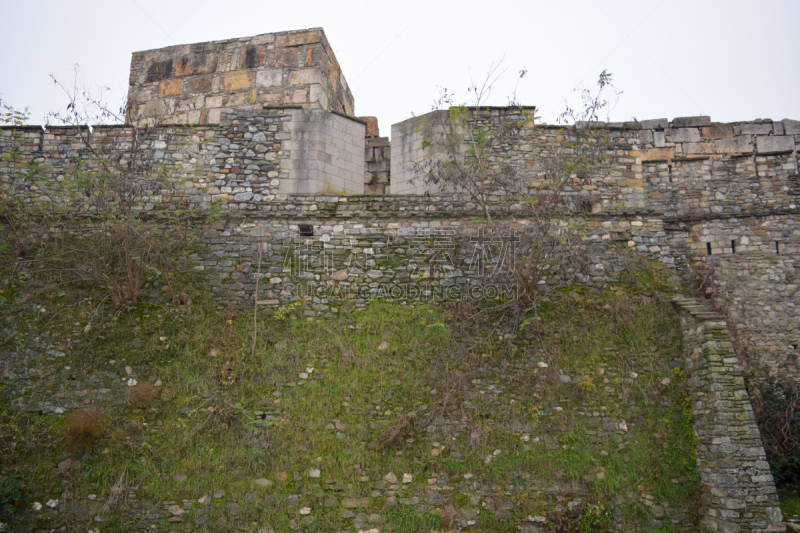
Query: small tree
(463,139)
(117,182)
(466,143)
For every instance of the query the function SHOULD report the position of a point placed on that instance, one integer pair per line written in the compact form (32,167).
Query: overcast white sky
(730,59)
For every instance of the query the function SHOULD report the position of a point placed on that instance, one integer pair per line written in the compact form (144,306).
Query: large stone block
(171,87)
(655,123)
(269,78)
(305,76)
(775,144)
(192,64)
(286,57)
(684,135)
(756,129)
(699,148)
(791,127)
(688,122)
(159,70)
(155,108)
(252,57)
(238,79)
(198,85)
(297,39)
(742,144)
(719,131)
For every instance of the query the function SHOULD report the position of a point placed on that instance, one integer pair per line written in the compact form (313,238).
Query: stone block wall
(739,492)
(243,162)
(430,135)
(378,160)
(325,153)
(193,83)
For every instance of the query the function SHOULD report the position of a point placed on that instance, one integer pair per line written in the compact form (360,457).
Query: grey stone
(684,135)
(655,123)
(740,144)
(774,144)
(688,122)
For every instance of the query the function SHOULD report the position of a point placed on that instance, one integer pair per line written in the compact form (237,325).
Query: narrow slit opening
(777,251)
(708,248)
(733,246)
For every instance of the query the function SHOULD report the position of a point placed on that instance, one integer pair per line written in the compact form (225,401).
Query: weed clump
(396,431)
(82,428)
(142,394)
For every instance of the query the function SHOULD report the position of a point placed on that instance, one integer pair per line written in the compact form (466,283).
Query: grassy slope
(485,413)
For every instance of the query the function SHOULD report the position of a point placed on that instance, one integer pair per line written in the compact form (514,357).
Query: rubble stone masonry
(274,141)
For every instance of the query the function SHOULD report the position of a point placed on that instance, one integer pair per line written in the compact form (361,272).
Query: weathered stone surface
(193,64)
(681,135)
(719,131)
(791,127)
(740,144)
(297,39)
(269,78)
(688,122)
(238,79)
(699,148)
(773,145)
(170,88)
(658,154)
(655,123)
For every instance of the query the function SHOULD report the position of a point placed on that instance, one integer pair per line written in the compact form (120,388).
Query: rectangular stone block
(658,154)
(791,127)
(297,39)
(171,87)
(699,148)
(238,79)
(775,144)
(684,135)
(192,64)
(719,131)
(742,144)
(252,57)
(756,129)
(198,85)
(688,122)
(306,76)
(655,123)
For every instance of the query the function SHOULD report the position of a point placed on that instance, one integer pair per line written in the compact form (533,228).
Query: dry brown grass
(82,428)
(142,394)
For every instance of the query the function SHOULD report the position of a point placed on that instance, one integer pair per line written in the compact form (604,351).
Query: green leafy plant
(595,518)
(10,495)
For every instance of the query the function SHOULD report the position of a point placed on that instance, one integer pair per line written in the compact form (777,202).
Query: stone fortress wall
(315,192)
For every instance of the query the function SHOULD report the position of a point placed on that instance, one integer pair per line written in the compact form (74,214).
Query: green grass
(231,416)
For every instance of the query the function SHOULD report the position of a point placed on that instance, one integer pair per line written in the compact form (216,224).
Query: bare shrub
(83,428)
(142,394)
(466,154)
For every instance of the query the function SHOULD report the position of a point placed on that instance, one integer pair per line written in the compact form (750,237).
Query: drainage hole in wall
(306,230)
